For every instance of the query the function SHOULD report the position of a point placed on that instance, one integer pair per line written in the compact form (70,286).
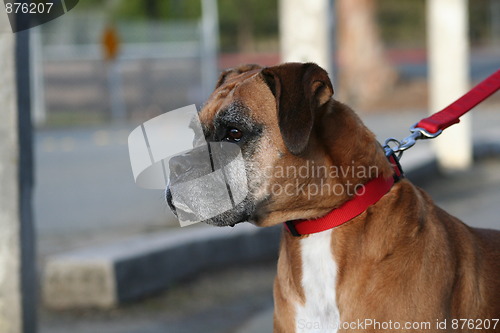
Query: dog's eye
(233,135)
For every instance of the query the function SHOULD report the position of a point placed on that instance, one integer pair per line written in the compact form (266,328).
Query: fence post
(210,46)
(448,53)
(37,85)
(17,252)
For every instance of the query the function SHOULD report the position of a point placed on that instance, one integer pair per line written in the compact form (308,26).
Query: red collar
(373,191)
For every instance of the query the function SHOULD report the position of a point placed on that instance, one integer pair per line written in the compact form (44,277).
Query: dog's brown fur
(404,259)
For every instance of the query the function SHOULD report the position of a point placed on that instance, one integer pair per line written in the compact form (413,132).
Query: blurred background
(87,101)
(107,66)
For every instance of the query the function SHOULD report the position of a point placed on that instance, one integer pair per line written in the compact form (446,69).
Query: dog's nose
(179,165)
(168,198)
(191,164)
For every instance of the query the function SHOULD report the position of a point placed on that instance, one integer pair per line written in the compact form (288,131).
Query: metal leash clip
(417,133)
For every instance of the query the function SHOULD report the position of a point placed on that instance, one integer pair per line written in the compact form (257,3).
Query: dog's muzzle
(204,181)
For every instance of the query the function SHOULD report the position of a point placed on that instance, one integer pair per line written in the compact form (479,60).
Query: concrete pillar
(17,267)
(448,54)
(305,31)
(210,46)
(37,82)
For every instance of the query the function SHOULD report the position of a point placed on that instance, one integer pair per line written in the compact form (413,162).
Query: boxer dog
(399,263)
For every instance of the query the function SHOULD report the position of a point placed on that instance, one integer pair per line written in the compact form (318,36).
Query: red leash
(431,127)
(451,114)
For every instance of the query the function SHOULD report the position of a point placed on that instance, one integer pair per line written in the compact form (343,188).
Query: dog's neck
(361,149)
(365,197)
(331,150)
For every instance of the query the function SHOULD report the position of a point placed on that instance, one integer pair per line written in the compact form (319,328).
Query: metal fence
(160,67)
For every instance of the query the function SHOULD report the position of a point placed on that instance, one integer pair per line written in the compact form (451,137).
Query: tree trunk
(365,74)
(152,11)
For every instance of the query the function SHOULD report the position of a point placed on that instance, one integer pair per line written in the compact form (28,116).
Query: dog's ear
(233,72)
(299,89)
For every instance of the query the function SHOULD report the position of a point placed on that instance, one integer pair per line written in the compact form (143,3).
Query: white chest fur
(319,277)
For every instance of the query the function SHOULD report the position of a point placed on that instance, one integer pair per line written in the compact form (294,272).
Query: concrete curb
(103,277)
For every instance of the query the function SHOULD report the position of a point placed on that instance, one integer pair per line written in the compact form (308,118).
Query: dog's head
(292,135)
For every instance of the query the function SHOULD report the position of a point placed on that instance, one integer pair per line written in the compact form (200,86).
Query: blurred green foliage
(147,9)
(159,9)
(402,22)
(261,14)
(480,20)
(242,22)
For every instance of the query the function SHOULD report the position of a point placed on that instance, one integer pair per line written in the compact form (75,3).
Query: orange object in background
(110,43)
